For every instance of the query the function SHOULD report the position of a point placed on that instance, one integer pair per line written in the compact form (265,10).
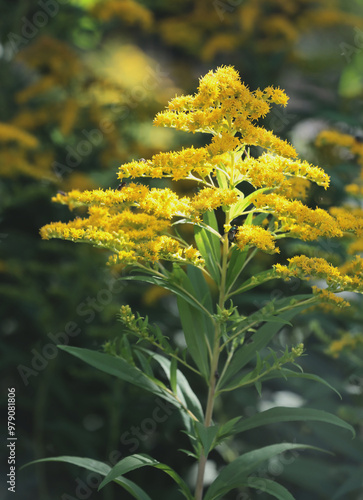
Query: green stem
(208,417)
(213,368)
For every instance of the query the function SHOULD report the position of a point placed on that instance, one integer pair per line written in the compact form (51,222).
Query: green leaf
(168,285)
(122,370)
(286,373)
(285,414)
(207,436)
(237,208)
(145,365)
(173,375)
(256,280)
(209,247)
(222,178)
(227,429)
(258,387)
(209,218)
(261,338)
(258,219)
(269,486)
(235,264)
(195,331)
(100,468)
(197,325)
(141,460)
(201,289)
(189,453)
(236,473)
(191,400)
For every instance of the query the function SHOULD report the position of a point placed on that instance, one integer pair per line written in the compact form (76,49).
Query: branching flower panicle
(135,223)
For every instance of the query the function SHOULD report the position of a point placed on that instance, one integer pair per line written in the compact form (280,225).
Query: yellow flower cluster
(308,268)
(276,171)
(262,25)
(329,298)
(296,219)
(131,12)
(349,217)
(162,203)
(131,237)
(346,341)
(184,164)
(249,235)
(335,138)
(59,60)
(224,104)
(135,222)
(212,198)
(10,132)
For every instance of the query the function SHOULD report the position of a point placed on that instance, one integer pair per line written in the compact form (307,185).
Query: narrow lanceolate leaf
(173,375)
(286,373)
(191,400)
(235,265)
(240,206)
(284,414)
(237,208)
(265,485)
(168,285)
(209,217)
(197,324)
(236,473)
(209,245)
(99,468)
(200,289)
(121,369)
(141,460)
(195,327)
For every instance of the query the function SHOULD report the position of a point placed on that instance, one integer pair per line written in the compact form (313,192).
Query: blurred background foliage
(81,83)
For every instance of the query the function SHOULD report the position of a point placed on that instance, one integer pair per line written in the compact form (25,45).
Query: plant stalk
(214,368)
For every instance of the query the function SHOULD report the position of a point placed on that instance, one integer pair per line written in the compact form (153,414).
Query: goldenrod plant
(245,204)
(349,214)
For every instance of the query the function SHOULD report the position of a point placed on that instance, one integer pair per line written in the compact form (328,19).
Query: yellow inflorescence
(330,298)
(131,12)
(10,132)
(348,278)
(135,222)
(276,171)
(347,340)
(295,219)
(256,236)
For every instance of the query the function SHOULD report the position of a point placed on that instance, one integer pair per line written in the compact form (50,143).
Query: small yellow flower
(256,236)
